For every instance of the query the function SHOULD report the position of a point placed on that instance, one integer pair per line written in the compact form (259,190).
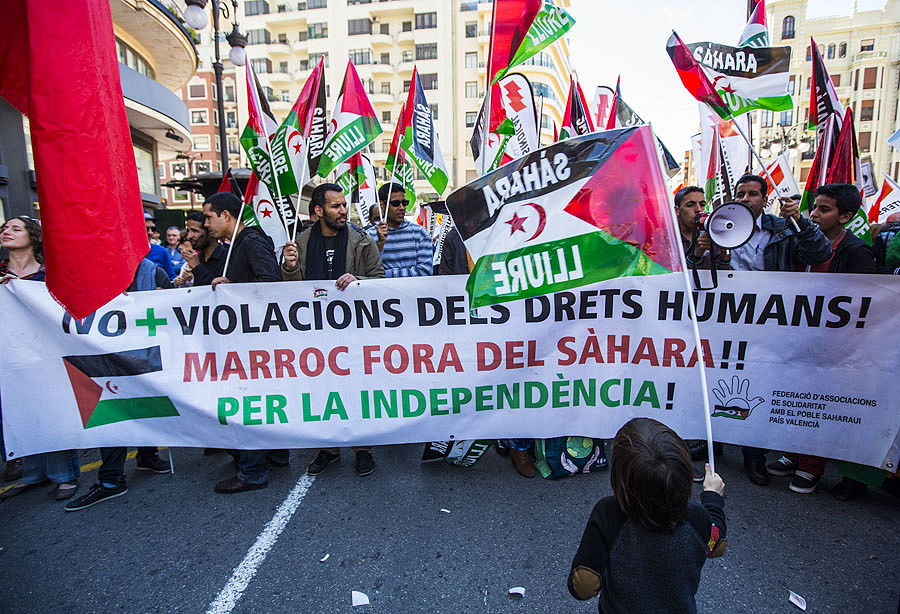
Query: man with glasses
(406,249)
(157,254)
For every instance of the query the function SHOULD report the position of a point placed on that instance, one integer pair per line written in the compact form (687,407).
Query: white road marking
(244,572)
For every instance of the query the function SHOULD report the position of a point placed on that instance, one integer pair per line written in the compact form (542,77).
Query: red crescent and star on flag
(265,208)
(517,222)
(298,146)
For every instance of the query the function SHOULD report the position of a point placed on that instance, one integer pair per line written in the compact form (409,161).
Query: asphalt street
(172,545)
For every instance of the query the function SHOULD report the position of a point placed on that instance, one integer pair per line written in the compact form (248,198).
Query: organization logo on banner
(734,399)
(107,386)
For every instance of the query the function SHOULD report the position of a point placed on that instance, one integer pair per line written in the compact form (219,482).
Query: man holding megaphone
(774,245)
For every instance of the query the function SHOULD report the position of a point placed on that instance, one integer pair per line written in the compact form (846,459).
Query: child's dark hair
(651,474)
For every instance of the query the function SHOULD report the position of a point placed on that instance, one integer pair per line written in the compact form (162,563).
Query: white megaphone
(729,226)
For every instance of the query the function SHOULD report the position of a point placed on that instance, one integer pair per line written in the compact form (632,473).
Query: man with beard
(204,255)
(330,249)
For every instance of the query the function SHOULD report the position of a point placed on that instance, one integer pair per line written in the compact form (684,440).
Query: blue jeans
(252,465)
(58,467)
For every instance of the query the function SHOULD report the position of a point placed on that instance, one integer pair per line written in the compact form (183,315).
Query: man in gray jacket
(330,249)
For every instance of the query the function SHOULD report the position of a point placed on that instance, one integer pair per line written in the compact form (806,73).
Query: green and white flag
(353,123)
(271,213)
(747,78)
(549,25)
(755,33)
(356,177)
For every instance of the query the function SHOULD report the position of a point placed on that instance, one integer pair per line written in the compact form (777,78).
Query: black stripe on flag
(129,362)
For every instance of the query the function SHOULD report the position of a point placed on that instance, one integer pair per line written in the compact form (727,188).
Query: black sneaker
(782,467)
(804,482)
(323,459)
(96,494)
(365,464)
(152,462)
(699,474)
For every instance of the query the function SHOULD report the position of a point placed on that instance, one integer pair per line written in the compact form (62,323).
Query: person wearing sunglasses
(406,249)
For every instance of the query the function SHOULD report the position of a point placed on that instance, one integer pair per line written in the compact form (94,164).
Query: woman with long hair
(21,237)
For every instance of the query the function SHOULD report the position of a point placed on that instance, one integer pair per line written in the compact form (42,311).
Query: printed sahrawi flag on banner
(580,211)
(746,78)
(108,387)
(547,27)
(353,123)
(356,177)
(888,202)
(260,127)
(300,139)
(419,138)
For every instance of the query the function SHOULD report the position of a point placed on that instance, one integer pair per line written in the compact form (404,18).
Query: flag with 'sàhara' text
(584,210)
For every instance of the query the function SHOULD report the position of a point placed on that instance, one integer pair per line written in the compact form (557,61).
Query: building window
(471,116)
(406,56)
(842,50)
(202,166)
(179,169)
(385,146)
(867,111)
(282,66)
(130,58)
(359,26)
(201,142)
(384,28)
(229,93)
(161,169)
(434,111)
(787,28)
(262,65)
(318,30)
(792,83)
(472,59)
(218,143)
(865,141)
(385,58)
(181,196)
(870,78)
(471,89)
(386,116)
(406,26)
(406,85)
(385,87)
(282,8)
(471,29)
(256,7)
(427,51)
(808,83)
(425,21)
(315,57)
(361,56)
(836,80)
(259,37)
(199,117)
(285,96)
(429,81)
(545,122)
(786,118)
(197,91)
(316,4)
(146,168)
(230,119)
(867,44)
(831,50)
(765,119)
(808,53)
(233,145)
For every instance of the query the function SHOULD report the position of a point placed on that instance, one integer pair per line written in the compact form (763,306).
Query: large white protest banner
(798,362)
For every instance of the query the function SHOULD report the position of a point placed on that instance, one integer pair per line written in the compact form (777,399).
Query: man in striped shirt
(406,249)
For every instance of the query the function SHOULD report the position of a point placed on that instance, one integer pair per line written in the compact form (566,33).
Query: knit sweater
(408,251)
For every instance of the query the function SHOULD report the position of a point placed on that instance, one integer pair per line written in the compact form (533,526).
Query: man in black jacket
(835,205)
(774,246)
(252,261)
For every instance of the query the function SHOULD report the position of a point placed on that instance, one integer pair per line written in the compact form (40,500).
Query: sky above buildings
(629,39)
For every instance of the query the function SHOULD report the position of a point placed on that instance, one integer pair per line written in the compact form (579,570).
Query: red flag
(611,122)
(230,184)
(844,163)
(59,67)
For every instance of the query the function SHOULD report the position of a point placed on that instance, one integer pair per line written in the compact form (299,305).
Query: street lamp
(195,16)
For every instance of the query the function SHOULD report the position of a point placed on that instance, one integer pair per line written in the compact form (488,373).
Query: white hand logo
(734,399)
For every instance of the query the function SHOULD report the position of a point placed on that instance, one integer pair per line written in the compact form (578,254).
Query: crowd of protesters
(331,248)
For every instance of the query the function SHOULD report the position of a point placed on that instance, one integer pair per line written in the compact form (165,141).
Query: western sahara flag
(397,164)
(263,210)
(747,78)
(353,123)
(888,202)
(419,139)
(824,103)
(845,168)
(109,388)
(356,177)
(300,139)
(577,212)
(756,32)
(694,76)
(576,119)
(259,129)
(547,27)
